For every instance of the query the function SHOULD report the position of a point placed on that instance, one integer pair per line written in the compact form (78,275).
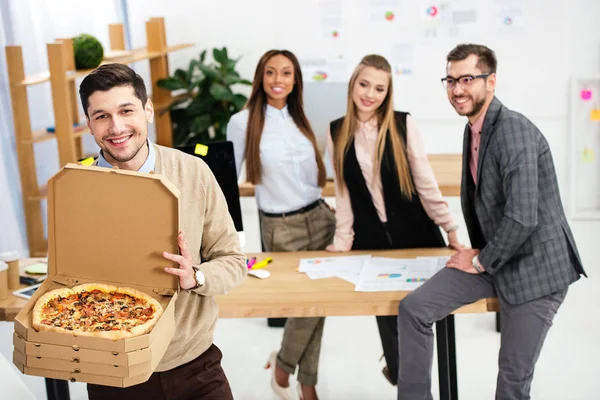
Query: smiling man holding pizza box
(118,112)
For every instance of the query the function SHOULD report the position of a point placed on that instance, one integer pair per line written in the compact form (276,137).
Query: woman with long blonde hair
(274,137)
(387,196)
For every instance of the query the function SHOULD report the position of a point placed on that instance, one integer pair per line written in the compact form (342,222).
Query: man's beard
(477,106)
(125,158)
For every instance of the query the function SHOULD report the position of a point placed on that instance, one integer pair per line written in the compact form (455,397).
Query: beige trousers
(312,230)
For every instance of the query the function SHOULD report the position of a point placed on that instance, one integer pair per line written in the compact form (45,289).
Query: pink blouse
(426,185)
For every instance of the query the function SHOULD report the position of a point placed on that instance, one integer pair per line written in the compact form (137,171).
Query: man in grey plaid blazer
(522,251)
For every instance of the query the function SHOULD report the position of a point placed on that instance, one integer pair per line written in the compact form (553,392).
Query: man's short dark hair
(487,59)
(108,76)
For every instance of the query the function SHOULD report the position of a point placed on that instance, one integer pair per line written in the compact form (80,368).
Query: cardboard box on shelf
(104,226)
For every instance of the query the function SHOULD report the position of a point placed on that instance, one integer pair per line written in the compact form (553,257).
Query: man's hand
(463,260)
(185,272)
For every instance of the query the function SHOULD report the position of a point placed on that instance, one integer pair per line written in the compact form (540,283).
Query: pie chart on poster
(432,11)
(320,76)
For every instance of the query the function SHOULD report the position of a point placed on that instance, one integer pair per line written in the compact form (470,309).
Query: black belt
(289,214)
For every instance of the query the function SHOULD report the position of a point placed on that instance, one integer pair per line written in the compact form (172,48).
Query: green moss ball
(88,51)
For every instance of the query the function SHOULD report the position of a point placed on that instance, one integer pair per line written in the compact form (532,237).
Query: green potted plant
(201,112)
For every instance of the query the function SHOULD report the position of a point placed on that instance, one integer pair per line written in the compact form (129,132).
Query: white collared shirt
(289,169)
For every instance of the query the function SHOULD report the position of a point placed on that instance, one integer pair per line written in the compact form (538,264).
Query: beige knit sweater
(204,218)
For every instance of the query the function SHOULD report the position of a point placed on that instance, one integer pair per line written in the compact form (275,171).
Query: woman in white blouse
(387,196)
(274,137)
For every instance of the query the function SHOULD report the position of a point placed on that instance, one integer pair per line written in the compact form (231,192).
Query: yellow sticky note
(587,155)
(595,114)
(88,161)
(201,149)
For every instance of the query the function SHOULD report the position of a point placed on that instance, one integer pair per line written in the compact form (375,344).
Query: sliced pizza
(97,310)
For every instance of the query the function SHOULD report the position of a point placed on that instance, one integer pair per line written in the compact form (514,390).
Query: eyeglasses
(464,81)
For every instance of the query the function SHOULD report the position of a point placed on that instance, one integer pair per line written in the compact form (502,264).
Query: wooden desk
(10,307)
(446,167)
(287,293)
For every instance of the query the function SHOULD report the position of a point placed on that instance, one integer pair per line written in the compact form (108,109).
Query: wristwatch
(199,277)
(476,265)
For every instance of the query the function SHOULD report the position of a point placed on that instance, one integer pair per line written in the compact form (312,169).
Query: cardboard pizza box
(76,354)
(106,226)
(89,372)
(80,377)
(80,367)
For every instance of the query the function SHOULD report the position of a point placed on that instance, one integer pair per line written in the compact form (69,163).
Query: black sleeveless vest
(407,226)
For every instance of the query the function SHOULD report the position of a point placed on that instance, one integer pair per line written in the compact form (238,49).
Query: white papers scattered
(440,261)
(394,274)
(333,266)
(374,274)
(352,278)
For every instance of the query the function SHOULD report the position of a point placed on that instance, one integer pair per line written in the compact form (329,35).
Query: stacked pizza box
(105,226)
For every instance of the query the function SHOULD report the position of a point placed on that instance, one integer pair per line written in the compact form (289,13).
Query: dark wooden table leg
(57,389)
(446,348)
(498,326)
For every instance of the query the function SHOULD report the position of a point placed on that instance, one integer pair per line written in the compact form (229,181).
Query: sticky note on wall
(201,149)
(595,114)
(586,95)
(587,155)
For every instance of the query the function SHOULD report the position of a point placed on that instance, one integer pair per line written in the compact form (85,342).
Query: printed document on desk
(352,278)
(381,274)
(327,267)
(441,261)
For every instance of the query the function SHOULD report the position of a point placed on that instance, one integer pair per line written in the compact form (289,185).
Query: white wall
(560,38)
(32,24)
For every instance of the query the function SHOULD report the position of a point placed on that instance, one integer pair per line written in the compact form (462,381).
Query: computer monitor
(323,103)
(220,159)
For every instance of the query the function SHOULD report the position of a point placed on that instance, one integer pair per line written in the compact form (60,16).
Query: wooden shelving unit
(65,103)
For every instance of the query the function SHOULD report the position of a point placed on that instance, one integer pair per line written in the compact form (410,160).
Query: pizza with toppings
(97,310)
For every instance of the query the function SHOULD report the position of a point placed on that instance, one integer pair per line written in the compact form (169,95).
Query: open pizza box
(104,226)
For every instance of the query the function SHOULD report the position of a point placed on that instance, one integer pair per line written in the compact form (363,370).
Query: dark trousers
(524,329)
(202,378)
(388,332)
